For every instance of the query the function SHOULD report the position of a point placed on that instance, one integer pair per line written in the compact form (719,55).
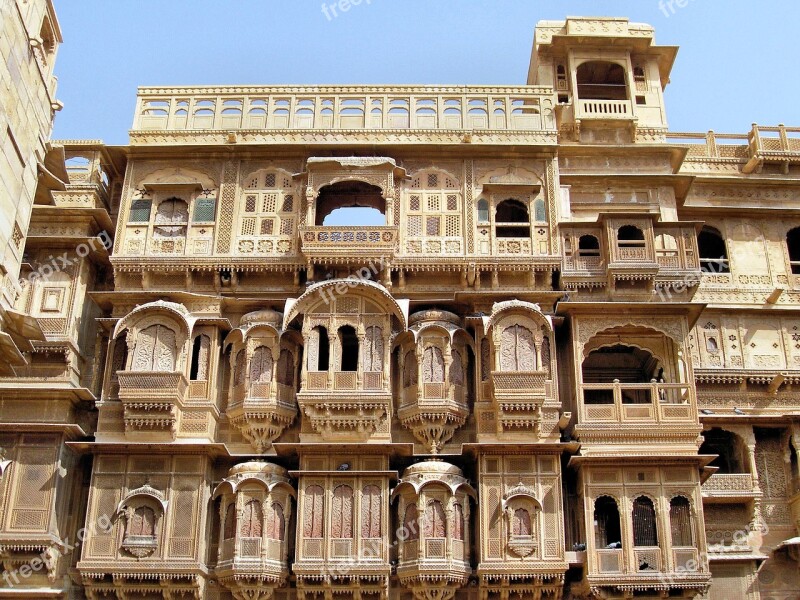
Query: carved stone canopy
(267,474)
(520,491)
(501,308)
(178,311)
(512,182)
(146,491)
(434,471)
(315,294)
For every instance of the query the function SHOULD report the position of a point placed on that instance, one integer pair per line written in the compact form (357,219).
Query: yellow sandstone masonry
(560,363)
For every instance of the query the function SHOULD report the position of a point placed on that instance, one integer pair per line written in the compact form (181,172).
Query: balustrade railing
(518,108)
(625,402)
(721,484)
(605,109)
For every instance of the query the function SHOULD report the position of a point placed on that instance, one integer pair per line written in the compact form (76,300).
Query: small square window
(51,299)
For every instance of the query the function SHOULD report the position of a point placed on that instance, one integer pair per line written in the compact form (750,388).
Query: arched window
(286,368)
(713,251)
(342,513)
(261,366)
(201,348)
(252,520)
(172,218)
(456,369)
(313,512)
(645,532)
(517,349)
(318,349)
(410,369)
(607,531)
(229,530)
(348,343)
(630,236)
(373,350)
(435,520)
(276,522)
(711,344)
(457,529)
(729,448)
(238,368)
(512,220)
(143,522)
(680,522)
(432,365)
(371,512)
(588,245)
(411,523)
(521,523)
(793,245)
(601,80)
(348,203)
(483,211)
(155,349)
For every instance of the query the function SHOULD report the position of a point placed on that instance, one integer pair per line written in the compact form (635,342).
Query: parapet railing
(515,108)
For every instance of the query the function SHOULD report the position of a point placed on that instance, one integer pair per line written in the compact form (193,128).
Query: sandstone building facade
(561,362)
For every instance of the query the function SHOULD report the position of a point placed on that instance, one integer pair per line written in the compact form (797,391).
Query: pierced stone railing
(729,484)
(522,382)
(637,403)
(345,108)
(326,242)
(605,109)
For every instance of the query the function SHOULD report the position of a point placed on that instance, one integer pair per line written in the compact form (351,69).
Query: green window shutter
(140,211)
(204,209)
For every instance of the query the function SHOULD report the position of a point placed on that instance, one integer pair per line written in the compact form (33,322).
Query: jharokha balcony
(434,363)
(262,411)
(627,393)
(151,400)
(636,403)
(324,242)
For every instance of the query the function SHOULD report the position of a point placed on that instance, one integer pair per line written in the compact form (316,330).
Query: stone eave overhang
(691,310)
(638,460)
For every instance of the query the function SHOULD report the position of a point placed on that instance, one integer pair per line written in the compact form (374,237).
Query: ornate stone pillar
(750,440)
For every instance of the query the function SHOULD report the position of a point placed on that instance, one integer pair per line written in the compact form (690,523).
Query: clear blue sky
(737,64)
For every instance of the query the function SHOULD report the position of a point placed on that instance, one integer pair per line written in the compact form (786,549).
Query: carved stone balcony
(151,400)
(605,110)
(337,243)
(433,412)
(345,404)
(262,412)
(519,396)
(639,413)
(680,573)
(775,145)
(434,564)
(633,403)
(434,559)
(252,557)
(729,486)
